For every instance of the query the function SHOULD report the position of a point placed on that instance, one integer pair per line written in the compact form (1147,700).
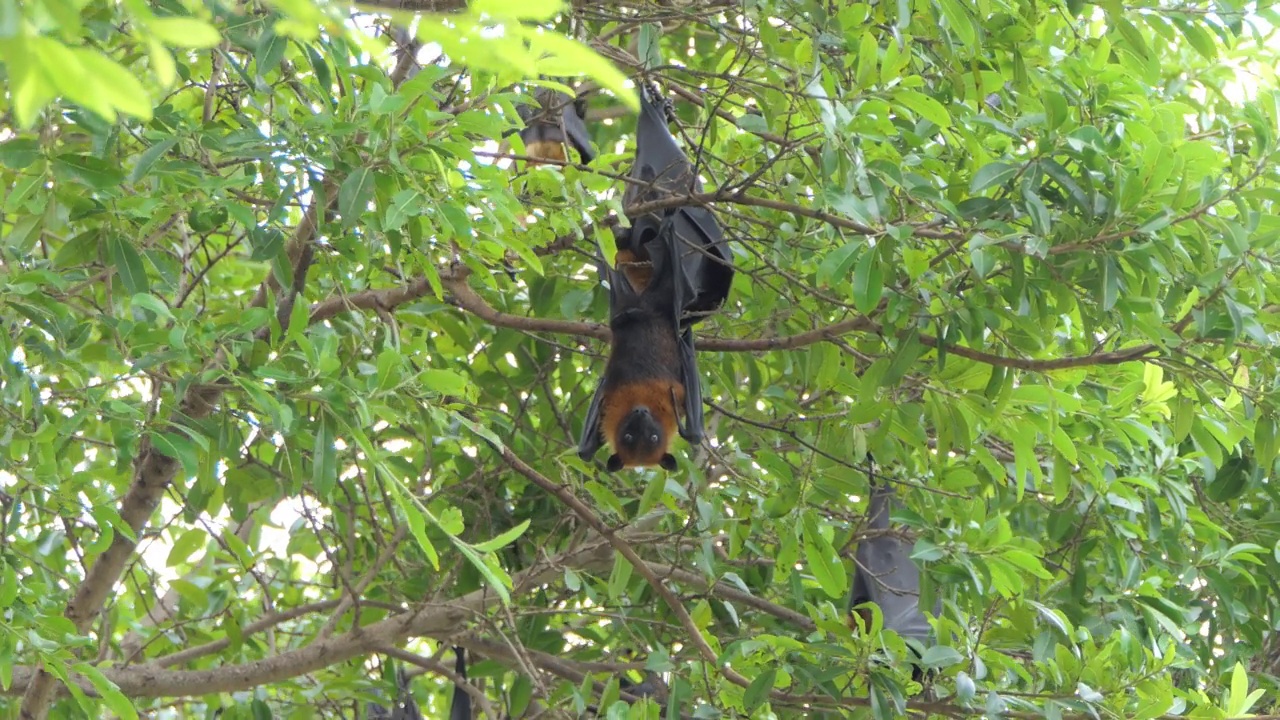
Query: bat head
(642,440)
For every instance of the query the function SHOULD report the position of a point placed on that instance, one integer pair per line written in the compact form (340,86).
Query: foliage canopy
(1016,259)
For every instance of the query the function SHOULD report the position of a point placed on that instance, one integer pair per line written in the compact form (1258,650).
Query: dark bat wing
(576,129)
(705,261)
(666,252)
(660,162)
(591,439)
(693,429)
(460,707)
(886,574)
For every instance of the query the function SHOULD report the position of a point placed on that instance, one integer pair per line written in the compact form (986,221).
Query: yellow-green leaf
(184,32)
(924,106)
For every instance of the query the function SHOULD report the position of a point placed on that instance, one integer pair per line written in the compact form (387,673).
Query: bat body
(553,125)
(405,707)
(671,268)
(887,576)
(460,706)
(651,378)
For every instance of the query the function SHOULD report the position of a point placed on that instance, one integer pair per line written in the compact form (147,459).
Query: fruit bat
(887,576)
(460,707)
(672,268)
(554,123)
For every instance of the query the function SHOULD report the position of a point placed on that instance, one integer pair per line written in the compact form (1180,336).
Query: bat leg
(668,107)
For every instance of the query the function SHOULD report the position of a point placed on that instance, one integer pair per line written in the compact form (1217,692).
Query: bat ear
(614,463)
(668,462)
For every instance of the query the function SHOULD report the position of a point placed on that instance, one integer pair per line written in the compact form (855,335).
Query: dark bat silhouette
(887,576)
(672,268)
(405,707)
(556,121)
(651,687)
(460,707)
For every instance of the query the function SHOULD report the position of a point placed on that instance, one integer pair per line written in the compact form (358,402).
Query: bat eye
(653,438)
(628,438)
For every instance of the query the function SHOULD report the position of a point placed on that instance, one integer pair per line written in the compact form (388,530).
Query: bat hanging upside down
(673,267)
(554,123)
(886,575)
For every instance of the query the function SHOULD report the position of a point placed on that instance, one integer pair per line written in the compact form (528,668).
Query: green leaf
(28,86)
(1230,482)
(924,106)
(940,656)
(1026,561)
(149,158)
(109,691)
(535,10)
(8,586)
(128,264)
(570,57)
(504,539)
(270,52)
(1056,110)
(1235,705)
(824,562)
(324,470)
(758,691)
(868,60)
(1063,178)
(184,32)
(868,282)
(179,448)
(184,546)
(404,204)
(959,21)
(120,86)
(1037,211)
(444,382)
(94,172)
(354,195)
(495,577)
(992,174)
(1199,39)
(1110,283)
(19,153)
(1265,441)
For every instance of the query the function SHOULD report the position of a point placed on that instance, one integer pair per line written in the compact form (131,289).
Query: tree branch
(429,620)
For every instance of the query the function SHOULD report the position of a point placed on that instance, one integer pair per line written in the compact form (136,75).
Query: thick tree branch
(429,620)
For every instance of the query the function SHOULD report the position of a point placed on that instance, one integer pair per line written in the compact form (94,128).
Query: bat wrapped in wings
(672,268)
(554,124)
(887,576)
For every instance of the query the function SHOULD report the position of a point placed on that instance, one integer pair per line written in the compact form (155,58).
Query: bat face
(641,440)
